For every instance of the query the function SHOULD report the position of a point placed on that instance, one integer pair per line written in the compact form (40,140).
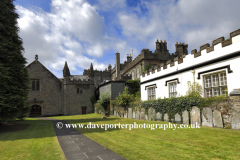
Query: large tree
(14,80)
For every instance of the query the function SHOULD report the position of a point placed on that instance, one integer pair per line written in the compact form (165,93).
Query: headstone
(177,118)
(115,113)
(146,117)
(142,116)
(159,116)
(137,115)
(134,115)
(195,116)
(151,114)
(166,118)
(217,119)
(207,118)
(125,114)
(99,111)
(130,113)
(185,117)
(236,121)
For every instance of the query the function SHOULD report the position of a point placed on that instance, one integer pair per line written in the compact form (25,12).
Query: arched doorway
(36,111)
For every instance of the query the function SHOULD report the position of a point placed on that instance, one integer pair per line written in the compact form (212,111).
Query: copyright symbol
(59,125)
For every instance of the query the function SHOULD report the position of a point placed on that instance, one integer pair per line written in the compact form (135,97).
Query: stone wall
(49,96)
(208,117)
(112,87)
(73,101)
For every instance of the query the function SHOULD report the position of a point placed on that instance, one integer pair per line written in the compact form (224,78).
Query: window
(215,84)
(79,90)
(153,65)
(35,85)
(151,93)
(132,75)
(172,89)
(137,72)
(113,78)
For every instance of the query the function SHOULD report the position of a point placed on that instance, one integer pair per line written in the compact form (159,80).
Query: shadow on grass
(48,128)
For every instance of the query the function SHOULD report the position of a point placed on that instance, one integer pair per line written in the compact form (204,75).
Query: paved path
(76,146)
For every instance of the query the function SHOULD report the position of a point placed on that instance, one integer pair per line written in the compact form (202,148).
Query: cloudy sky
(82,32)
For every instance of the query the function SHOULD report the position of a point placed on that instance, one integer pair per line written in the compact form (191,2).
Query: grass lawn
(74,117)
(203,143)
(38,141)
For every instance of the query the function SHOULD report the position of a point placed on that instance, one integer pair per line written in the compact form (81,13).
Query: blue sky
(82,32)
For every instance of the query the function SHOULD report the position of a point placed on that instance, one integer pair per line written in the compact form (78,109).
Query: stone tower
(66,72)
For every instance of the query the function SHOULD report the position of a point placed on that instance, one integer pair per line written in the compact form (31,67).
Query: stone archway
(36,111)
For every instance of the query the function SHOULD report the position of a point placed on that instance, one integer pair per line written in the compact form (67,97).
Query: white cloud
(71,29)
(193,22)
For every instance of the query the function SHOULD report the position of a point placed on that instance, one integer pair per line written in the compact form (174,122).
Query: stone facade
(53,96)
(134,68)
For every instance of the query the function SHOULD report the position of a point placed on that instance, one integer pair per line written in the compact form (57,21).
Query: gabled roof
(44,68)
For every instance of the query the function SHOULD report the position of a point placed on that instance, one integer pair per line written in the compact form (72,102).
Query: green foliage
(14,78)
(179,104)
(134,86)
(93,101)
(104,101)
(124,99)
(99,107)
(194,89)
(149,66)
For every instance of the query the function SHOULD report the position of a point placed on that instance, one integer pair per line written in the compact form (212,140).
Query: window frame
(152,96)
(138,72)
(211,89)
(174,92)
(35,85)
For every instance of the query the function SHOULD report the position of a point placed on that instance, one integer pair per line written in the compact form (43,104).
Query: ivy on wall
(134,86)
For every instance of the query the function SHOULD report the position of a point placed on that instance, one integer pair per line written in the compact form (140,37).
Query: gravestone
(126,114)
(166,118)
(159,116)
(151,114)
(177,118)
(137,115)
(134,115)
(207,118)
(146,117)
(195,116)
(115,113)
(217,119)
(130,113)
(236,121)
(185,117)
(142,116)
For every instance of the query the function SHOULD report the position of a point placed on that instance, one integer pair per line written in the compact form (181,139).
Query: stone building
(99,76)
(134,68)
(50,95)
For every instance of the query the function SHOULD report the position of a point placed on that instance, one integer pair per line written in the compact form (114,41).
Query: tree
(14,80)
(124,99)
(194,89)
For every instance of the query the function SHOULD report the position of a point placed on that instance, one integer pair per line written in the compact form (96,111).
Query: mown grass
(73,117)
(38,141)
(203,143)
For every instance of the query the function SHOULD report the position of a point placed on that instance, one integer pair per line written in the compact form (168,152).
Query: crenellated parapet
(204,50)
(221,40)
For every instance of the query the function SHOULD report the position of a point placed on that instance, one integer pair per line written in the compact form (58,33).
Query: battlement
(220,47)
